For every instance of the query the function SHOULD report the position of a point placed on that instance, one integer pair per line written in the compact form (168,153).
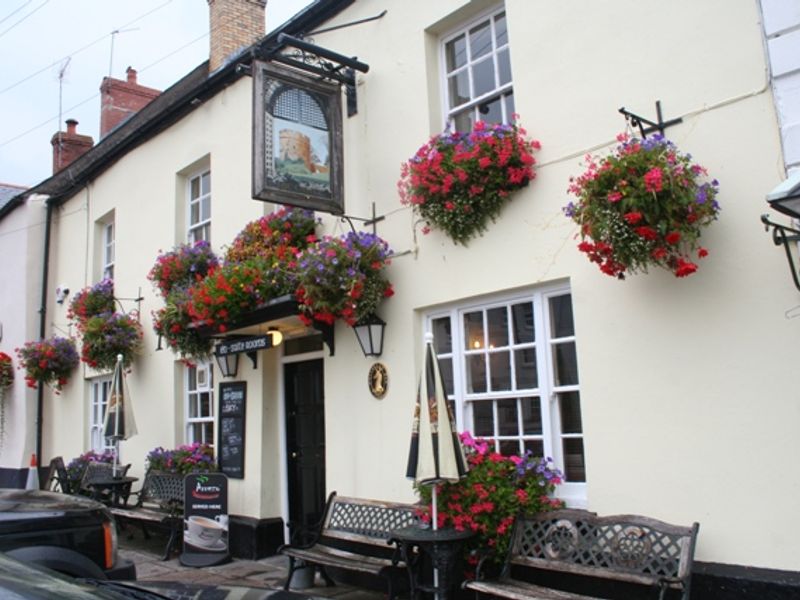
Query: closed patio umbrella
(119,423)
(436,454)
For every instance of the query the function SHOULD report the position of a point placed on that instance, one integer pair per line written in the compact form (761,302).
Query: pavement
(268,574)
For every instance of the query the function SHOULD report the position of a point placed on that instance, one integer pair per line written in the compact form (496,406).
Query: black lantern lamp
(228,364)
(786,199)
(369,332)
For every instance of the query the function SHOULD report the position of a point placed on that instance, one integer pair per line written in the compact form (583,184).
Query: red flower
(673,237)
(632,217)
(647,233)
(702,252)
(684,268)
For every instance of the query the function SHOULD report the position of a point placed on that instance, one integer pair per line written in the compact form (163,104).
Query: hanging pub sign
(297,140)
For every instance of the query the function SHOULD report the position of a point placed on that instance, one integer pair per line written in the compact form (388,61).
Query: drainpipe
(43,323)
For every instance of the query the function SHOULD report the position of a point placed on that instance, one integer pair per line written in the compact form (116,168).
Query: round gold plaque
(378,380)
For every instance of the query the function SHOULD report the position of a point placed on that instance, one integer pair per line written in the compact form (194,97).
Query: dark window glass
(497,320)
(459,88)
(522,318)
(456,53)
(491,111)
(500,30)
(480,40)
(483,419)
(569,404)
(473,331)
(500,367)
(503,67)
(446,366)
(535,446)
(566,363)
(561,323)
(525,369)
(507,417)
(531,416)
(483,77)
(442,336)
(574,463)
(509,447)
(476,374)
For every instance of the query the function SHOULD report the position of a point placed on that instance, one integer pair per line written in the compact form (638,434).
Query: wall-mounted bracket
(660,125)
(373,220)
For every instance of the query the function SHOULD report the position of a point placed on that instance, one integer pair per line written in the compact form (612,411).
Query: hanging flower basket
(458,182)
(92,301)
(107,335)
(182,267)
(273,235)
(172,323)
(645,205)
(342,278)
(48,361)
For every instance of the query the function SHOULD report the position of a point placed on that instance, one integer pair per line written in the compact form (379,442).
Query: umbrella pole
(117,407)
(435,517)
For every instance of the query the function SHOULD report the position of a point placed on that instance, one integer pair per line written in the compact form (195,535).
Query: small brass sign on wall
(378,380)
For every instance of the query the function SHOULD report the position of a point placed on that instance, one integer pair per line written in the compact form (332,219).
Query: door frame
(283,471)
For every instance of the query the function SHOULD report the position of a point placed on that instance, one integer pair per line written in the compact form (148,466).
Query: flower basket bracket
(660,125)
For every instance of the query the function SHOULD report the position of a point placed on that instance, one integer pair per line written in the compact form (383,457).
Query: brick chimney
(120,99)
(234,25)
(69,145)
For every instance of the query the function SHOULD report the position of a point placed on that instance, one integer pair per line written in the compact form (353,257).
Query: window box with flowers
(644,205)
(49,361)
(189,458)
(458,182)
(487,500)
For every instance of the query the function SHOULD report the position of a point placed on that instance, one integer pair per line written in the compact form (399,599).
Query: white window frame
(199,380)
(98,404)
(574,493)
(201,228)
(109,237)
(502,90)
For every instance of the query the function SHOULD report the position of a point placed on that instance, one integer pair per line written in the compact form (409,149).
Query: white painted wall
(689,403)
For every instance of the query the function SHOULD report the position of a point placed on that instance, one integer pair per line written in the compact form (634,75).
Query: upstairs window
(200,403)
(477,69)
(108,250)
(199,207)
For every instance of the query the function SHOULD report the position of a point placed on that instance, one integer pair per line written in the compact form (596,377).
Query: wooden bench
(635,550)
(159,504)
(353,535)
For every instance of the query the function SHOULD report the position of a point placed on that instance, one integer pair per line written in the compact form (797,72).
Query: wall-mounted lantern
(369,332)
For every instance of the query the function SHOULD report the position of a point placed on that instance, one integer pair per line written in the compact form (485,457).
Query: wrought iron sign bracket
(373,220)
(660,125)
(782,235)
(316,60)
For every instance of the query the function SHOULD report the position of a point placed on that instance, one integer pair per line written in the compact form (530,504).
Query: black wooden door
(305,441)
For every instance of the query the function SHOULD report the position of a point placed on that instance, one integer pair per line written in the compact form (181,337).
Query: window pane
(561,316)
(527,376)
(205,404)
(473,330)
(476,374)
(442,336)
(500,30)
(194,216)
(509,447)
(500,368)
(509,100)
(483,419)
(491,112)
(574,464)
(196,432)
(483,77)
(497,321)
(507,417)
(480,40)
(566,364)
(456,53)
(194,188)
(535,446)
(193,413)
(459,88)
(205,186)
(569,404)
(205,210)
(531,416)
(208,432)
(192,385)
(503,67)
(463,121)
(446,366)
(522,317)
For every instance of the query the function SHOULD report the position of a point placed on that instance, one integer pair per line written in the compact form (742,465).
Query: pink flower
(653,180)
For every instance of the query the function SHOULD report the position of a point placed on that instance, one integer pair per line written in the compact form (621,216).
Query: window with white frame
(200,403)
(511,372)
(199,207)
(100,391)
(108,250)
(477,70)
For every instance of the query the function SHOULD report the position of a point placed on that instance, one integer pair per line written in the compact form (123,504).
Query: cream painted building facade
(672,398)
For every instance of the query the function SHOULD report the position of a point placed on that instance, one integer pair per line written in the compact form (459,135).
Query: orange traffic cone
(33,475)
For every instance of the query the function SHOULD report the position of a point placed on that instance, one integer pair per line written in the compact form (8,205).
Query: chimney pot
(131,72)
(72,126)
(69,145)
(120,99)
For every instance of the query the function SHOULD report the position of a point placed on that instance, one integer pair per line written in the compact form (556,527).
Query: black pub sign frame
(297,140)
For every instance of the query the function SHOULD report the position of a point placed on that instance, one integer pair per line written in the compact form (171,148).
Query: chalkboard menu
(232,405)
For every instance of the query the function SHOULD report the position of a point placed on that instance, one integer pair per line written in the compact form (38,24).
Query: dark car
(69,534)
